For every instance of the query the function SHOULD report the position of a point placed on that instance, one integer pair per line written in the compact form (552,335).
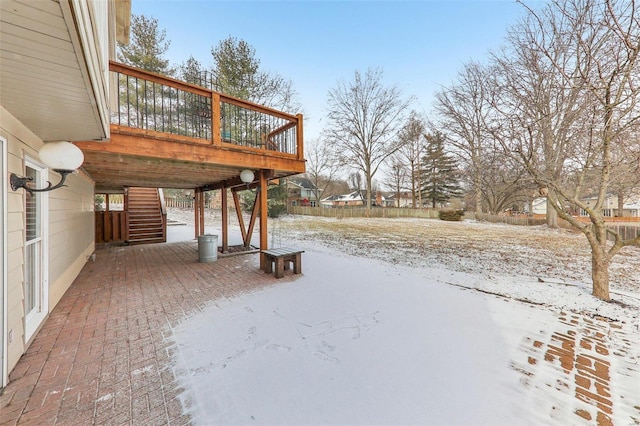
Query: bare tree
(412,140)
(363,121)
(505,184)
(355,181)
(398,177)
(322,166)
(568,94)
(463,110)
(625,176)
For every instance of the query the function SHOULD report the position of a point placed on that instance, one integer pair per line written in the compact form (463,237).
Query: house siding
(71,236)
(71,233)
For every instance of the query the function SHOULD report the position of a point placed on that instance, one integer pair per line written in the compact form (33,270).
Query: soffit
(42,83)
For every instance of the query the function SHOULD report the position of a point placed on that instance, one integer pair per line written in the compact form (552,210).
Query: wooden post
(225,220)
(107,221)
(216,114)
(201,207)
(236,202)
(300,138)
(263,216)
(252,221)
(126,214)
(196,212)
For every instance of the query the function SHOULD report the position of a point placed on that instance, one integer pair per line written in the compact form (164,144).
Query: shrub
(276,209)
(451,215)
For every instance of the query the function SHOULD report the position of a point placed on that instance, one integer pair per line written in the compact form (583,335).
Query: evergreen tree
(236,69)
(439,177)
(196,107)
(236,72)
(146,47)
(138,97)
(192,72)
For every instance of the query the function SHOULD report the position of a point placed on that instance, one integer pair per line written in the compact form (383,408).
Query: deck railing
(156,103)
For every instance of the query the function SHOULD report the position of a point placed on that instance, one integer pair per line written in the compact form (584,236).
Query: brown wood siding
(110,226)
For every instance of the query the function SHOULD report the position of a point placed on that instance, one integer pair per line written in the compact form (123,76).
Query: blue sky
(420,45)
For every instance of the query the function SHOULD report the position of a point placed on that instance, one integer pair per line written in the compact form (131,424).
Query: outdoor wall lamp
(247,176)
(63,157)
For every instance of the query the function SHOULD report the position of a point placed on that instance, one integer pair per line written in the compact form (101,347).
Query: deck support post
(225,220)
(196,214)
(252,221)
(263,217)
(198,207)
(201,206)
(236,203)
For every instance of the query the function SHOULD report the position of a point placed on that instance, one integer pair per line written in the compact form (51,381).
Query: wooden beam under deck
(140,160)
(143,145)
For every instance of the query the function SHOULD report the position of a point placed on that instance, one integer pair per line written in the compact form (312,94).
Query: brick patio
(102,357)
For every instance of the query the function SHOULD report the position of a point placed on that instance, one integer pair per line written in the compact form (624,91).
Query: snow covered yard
(419,322)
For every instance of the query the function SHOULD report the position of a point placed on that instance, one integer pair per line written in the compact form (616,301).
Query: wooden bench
(282,257)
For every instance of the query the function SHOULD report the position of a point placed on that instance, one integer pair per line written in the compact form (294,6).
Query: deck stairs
(147,220)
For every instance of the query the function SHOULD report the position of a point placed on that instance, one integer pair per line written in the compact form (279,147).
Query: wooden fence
(343,212)
(187,203)
(511,220)
(627,228)
(627,231)
(111,226)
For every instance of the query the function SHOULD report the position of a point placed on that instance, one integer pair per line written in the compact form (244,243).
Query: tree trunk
(419,188)
(478,192)
(620,211)
(414,177)
(368,192)
(600,275)
(552,215)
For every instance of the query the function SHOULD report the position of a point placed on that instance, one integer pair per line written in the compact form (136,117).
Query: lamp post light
(63,157)
(247,176)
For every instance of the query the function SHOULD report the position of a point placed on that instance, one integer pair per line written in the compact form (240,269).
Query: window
(35,263)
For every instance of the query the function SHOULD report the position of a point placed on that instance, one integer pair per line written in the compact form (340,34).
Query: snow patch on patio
(334,348)
(440,337)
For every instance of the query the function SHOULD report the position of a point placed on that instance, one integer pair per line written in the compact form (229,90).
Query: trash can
(207,248)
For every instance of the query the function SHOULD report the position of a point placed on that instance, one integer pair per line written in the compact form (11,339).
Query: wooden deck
(171,134)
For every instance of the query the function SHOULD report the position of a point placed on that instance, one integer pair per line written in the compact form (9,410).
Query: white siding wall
(71,234)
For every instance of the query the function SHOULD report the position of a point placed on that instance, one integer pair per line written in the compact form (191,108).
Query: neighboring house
(404,199)
(344,200)
(328,201)
(57,84)
(631,207)
(539,206)
(357,198)
(301,192)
